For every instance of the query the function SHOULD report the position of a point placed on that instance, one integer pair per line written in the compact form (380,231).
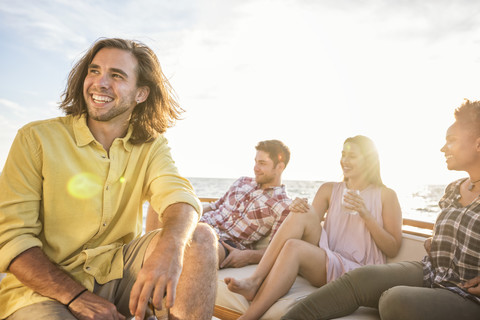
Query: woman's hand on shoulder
(300,205)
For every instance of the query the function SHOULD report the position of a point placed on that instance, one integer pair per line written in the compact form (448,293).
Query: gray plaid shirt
(455,250)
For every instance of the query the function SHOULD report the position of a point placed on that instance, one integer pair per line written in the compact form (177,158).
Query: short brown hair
(149,118)
(277,151)
(468,114)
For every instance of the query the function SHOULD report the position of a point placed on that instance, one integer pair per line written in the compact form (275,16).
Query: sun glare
(84,185)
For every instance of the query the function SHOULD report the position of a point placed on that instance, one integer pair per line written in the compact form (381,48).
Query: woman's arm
(389,237)
(321,201)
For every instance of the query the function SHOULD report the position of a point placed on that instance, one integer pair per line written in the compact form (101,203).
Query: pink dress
(345,238)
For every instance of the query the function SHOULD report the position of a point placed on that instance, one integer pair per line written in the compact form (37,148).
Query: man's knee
(205,237)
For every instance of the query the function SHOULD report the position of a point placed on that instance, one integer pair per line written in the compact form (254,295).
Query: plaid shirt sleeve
(215,205)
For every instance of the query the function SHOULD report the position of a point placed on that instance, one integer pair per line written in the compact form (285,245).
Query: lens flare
(84,185)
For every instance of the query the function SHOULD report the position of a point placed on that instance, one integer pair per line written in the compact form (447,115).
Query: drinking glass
(349,211)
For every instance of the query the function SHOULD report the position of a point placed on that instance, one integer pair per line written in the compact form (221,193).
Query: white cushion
(225,298)
(411,250)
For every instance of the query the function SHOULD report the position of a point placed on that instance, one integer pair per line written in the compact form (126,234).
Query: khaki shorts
(116,291)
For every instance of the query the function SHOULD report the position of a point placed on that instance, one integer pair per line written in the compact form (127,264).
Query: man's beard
(111,114)
(114,112)
(264,179)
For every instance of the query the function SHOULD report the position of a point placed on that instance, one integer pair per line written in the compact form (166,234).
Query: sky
(308,72)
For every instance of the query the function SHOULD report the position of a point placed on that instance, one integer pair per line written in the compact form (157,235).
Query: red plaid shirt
(247,213)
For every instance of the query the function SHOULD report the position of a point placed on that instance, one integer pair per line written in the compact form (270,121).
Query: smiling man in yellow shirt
(72,194)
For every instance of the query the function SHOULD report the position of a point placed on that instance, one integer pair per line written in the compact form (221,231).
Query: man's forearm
(33,268)
(178,223)
(153,221)
(255,256)
(240,258)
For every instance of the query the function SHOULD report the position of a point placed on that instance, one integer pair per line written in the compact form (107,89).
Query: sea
(418,203)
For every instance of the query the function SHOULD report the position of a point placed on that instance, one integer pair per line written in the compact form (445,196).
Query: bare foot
(246,287)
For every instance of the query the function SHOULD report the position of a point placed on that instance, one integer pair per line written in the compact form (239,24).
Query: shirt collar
(280,188)
(84,136)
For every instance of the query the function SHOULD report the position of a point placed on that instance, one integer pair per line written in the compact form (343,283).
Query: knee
(304,218)
(361,281)
(204,235)
(360,275)
(293,247)
(203,246)
(394,303)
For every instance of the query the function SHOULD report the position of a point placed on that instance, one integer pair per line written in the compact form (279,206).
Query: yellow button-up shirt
(61,191)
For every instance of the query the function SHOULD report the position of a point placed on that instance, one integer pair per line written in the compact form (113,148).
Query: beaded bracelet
(73,299)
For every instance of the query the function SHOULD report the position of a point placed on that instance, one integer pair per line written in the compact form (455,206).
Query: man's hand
(90,306)
(473,286)
(157,278)
(236,258)
(163,261)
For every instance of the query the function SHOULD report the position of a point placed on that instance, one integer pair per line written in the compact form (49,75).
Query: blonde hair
(372,160)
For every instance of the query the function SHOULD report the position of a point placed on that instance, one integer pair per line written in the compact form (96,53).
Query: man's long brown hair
(149,118)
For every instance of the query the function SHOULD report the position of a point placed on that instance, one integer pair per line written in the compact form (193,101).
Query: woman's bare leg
(296,257)
(301,226)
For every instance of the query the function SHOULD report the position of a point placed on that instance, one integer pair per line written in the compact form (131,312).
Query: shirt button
(104,224)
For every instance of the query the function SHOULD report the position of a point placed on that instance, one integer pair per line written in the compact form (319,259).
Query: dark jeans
(397,291)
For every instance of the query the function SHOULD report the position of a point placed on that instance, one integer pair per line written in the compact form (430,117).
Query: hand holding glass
(345,204)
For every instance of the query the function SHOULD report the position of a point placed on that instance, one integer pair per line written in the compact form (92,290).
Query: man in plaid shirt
(253,208)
